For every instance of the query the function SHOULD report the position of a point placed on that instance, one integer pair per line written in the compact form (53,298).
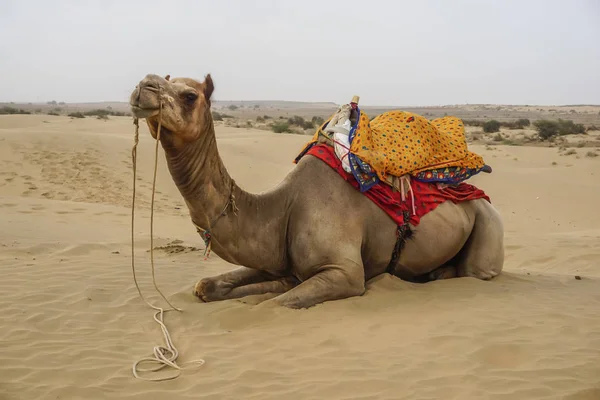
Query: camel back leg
(483,255)
(332,282)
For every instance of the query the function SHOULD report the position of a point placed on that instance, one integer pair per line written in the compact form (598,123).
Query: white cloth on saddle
(341,143)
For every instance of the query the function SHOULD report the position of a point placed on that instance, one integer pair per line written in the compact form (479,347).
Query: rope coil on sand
(163,355)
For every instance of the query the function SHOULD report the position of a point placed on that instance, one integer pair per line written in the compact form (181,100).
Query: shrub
(266,117)
(102,112)
(308,125)
(296,120)
(6,110)
(523,123)
(53,113)
(591,154)
(491,126)
(98,112)
(546,129)
(281,127)
(498,137)
(472,122)
(316,120)
(233,107)
(217,116)
(76,115)
(102,117)
(260,119)
(567,127)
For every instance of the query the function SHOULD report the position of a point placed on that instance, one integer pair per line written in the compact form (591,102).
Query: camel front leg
(333,282)
(241,282)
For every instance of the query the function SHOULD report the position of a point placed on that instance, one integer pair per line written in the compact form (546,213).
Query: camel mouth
(164,131)
(140,112)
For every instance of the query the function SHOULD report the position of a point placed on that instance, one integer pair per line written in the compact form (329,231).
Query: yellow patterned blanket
(398,143)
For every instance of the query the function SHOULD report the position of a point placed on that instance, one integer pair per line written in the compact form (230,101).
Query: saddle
(398,145)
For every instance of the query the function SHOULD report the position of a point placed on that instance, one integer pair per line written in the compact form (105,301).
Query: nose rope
(163,355)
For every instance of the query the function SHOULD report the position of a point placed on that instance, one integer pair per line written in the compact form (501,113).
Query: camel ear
(208,87)
(168,77)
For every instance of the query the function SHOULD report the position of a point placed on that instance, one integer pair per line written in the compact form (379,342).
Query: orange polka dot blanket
(398,143)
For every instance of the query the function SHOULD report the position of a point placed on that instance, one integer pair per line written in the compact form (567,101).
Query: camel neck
(208,190)
(200,176)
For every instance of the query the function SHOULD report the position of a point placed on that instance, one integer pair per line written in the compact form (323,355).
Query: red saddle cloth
(427,196)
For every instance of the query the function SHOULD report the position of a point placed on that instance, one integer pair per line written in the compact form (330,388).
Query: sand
(72,323)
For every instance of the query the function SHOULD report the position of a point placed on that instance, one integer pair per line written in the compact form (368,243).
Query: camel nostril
(152,86)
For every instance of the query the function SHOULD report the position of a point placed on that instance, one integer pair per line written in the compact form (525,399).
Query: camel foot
(216,288)
(209,289)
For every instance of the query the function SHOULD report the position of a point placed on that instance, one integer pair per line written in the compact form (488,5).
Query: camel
(312,238)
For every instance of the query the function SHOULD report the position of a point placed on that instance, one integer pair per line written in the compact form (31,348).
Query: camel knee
(482,267)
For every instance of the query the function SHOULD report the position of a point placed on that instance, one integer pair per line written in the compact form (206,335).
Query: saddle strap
(403,232)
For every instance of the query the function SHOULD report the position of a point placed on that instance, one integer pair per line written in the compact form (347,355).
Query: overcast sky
(426,52)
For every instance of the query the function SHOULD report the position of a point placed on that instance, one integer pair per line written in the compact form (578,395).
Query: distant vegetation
(547,129)
(518,124)
(491,126)
(316,120)
(104,112)
(281,127)
(76,115)
(6,110)
(217,116)
(300,122)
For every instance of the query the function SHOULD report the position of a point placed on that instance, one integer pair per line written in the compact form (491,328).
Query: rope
(206,233)
(163,355)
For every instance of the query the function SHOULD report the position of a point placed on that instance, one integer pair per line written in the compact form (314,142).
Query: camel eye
(191,97)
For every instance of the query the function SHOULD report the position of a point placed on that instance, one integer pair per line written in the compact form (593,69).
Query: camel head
(185,106)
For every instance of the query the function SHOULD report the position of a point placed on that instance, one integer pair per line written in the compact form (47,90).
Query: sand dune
(72,322)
